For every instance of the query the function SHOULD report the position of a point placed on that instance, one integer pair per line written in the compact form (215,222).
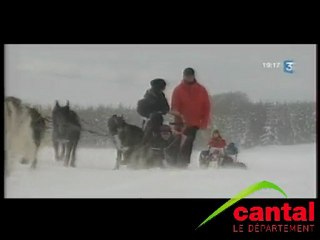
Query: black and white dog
(24,130)
(126,137)
(139,148)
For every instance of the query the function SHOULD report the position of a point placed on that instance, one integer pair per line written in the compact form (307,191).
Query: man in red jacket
(190,100)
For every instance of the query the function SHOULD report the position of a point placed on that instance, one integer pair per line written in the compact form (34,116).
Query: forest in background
(239,120)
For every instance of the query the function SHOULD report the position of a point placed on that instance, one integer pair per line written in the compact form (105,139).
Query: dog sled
(155,145)
(162,146)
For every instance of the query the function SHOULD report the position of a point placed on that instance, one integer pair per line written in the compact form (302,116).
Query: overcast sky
(113,74)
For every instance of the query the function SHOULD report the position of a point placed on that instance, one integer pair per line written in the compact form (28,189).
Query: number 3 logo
(288,66)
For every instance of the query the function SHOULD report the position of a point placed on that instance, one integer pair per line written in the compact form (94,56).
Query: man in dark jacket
(152,108)
(153,105)
(154,100)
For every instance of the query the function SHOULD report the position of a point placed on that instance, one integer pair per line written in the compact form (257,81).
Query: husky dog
(126,137)
(24,130)
(66,133)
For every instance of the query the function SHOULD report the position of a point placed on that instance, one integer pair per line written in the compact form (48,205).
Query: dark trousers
(152,126)
(184,155)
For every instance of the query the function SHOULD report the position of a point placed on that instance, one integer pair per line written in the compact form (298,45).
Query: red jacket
(192,102)
(217,142)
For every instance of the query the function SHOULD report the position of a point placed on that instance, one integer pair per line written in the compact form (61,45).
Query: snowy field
(293,168)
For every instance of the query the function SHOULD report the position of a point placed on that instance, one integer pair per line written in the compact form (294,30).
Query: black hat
(158,83)
(189,72)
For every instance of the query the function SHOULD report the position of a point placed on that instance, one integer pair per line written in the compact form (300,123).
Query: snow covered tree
(257,117)
(270,133)
(231,116)
(302,120)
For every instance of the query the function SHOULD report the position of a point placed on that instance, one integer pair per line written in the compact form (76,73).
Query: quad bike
(220,158)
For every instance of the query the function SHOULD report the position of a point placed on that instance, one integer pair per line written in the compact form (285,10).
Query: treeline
(263,123)
(240,120)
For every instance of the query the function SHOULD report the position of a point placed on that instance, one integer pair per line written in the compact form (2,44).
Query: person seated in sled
(217,143)
(217,147)
(178,138)
(220,154)
(155,154)
(216,151)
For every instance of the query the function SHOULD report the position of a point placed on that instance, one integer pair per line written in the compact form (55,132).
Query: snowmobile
(220,158)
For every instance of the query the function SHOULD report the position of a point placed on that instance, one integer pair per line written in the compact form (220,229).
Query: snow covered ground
(293,168)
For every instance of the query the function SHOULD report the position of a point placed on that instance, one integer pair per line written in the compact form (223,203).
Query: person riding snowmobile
(219,153)
(217,141)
